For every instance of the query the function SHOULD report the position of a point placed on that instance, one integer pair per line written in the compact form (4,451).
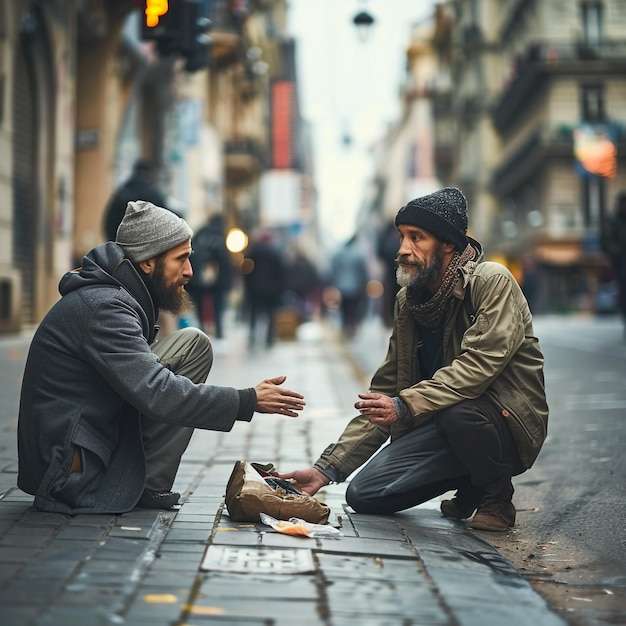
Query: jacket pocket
(79,489)
(528,425)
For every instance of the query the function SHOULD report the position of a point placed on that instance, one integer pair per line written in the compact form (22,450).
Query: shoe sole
(487,527)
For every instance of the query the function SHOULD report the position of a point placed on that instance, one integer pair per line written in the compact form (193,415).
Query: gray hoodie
(89,375)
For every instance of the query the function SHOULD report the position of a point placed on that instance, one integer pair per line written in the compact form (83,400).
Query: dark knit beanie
(442,213)
(148,230)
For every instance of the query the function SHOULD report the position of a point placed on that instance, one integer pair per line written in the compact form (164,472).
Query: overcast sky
(349,87)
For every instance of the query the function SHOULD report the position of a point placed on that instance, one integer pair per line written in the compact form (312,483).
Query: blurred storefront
(546,83)
(84,93)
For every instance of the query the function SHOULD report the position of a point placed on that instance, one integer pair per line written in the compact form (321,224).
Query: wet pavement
(194,566)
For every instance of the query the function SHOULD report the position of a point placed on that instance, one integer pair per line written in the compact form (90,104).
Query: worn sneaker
(464,503)
(158,499)
(494,515)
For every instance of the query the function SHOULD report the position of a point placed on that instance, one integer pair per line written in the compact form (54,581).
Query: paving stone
(18,615)
(180,547)
(385,598)
(478,612)
(369,567)
(55,571)
(8,571)
(257,560)
(193,536)
(102,595)
(279,613)
(184,556)
(28,592)
(92,520)
(74,532)
(379,620)
(279,540)
(198,518)
(24,541)
(16,554)
(38,518)
(375,526)
(72,616)
(251,586)
(64,551)
(131,531)
(176,566)
(358,545)
(205,527)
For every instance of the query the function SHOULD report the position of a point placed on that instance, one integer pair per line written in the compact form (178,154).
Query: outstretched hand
(270,398)
(309,480)
(378,407)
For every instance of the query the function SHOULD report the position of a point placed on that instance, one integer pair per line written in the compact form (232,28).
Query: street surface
(195,566)
(570,536)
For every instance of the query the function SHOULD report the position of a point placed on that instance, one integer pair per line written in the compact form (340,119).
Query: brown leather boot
(494,515)
(463,504)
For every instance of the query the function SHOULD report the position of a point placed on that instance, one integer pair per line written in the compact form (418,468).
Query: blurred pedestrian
(212,277)
(461,391)
(530,281)
(264,285)
(302,284)
(613,243)
(141,185)
(105,411)
(386,251)
(349,276)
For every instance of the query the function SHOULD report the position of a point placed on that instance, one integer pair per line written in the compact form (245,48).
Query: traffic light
(162,22)
(178,27)
(196,42)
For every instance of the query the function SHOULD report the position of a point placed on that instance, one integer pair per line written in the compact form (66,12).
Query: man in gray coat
(106,412)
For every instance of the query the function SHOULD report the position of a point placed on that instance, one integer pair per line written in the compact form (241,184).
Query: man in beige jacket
(461,391)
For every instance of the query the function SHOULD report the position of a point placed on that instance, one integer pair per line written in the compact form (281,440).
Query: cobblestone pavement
(194,566)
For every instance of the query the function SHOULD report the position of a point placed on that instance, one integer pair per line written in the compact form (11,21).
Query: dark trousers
(262,309)
(467,444)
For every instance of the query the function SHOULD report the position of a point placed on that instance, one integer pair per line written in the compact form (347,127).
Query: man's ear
(148,266)
(448,247)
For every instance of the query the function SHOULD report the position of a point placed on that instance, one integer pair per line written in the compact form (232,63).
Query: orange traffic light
(154,10)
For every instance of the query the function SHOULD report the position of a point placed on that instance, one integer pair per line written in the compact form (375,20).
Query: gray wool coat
(90,374)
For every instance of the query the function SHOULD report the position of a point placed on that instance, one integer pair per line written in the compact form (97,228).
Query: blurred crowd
(278,286)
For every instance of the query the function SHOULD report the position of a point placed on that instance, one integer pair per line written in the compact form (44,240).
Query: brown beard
(172,298)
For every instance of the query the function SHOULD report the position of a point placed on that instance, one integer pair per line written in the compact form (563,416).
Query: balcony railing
(543,58)
(546,141)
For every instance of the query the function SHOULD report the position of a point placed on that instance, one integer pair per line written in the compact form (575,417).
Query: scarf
(430,312)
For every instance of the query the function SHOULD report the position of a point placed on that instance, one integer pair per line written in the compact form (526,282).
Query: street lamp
(363,20)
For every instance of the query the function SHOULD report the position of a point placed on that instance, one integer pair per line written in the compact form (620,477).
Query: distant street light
(363,20)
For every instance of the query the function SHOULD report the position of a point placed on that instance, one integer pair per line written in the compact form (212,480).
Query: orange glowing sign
(154,10)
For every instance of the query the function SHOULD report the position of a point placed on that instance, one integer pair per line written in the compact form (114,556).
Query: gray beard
(422,276)
(404,277)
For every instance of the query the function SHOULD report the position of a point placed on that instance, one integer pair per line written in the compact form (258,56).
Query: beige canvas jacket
(494,353)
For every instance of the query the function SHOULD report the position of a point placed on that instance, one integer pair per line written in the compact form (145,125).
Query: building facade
(538,92)
(83,95)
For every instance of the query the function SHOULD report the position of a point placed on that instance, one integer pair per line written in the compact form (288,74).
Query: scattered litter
(297,526)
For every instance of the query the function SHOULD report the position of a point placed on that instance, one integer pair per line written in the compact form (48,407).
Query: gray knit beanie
(148,230)
(442,213)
